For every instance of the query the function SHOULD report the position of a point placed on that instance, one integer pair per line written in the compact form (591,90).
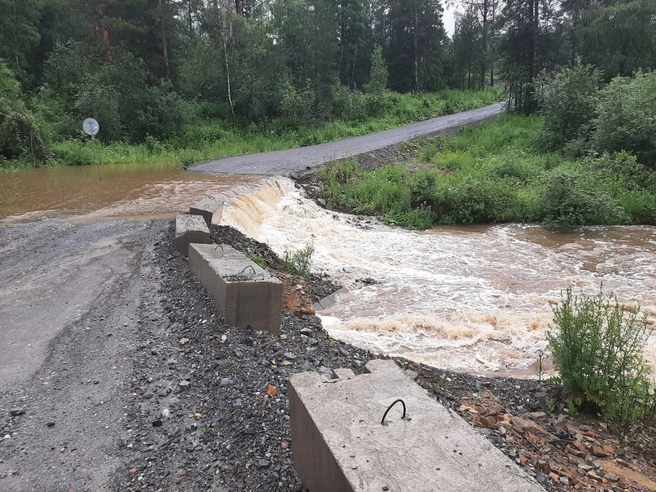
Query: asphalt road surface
(286,162)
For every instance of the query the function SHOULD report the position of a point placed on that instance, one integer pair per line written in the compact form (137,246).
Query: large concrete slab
(340,445)
(246,294)
(190,229)
(211,209)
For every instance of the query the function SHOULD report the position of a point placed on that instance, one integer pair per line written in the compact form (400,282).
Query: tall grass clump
(299,262)
(597,346)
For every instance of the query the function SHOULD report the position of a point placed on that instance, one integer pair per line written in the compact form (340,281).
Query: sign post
(91,127)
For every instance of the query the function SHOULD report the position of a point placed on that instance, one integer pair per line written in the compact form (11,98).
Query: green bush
(597,346)
(572,197)
(298,263)
(476,200)
(21,136)
(568,103)
(626,119)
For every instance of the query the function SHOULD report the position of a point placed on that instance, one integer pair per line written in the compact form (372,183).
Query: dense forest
(146,69)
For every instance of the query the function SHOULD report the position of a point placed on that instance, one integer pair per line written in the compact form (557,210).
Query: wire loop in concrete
(382,422)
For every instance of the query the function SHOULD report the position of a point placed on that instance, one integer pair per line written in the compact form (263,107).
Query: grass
(494,172)
(204,139)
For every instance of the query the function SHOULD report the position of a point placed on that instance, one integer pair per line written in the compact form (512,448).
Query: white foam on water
(466,298)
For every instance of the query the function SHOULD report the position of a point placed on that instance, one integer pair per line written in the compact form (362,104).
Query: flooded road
(468,298)
(138,191)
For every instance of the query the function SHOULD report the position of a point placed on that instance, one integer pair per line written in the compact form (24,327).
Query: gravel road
(119,374)
(287,162)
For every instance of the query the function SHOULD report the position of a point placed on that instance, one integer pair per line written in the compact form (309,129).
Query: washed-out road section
(74,300)
(287,162)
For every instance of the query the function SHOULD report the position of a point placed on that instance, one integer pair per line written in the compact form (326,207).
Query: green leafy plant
(298,263)
(569,100)
(625,118)
(597,346)
(258,260)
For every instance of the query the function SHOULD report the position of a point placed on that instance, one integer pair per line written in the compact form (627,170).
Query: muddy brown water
(468,298)
(474,298)
(140,191)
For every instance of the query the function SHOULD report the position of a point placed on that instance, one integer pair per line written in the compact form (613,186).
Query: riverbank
(493,172)
(149,390)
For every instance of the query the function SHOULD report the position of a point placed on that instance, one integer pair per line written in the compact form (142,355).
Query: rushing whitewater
(466,298)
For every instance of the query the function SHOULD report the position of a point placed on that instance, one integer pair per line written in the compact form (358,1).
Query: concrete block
(211,209)
(246,294)
(340,445)
(190,229)
(328,301)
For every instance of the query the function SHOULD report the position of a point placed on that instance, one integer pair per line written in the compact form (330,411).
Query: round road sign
(90,126)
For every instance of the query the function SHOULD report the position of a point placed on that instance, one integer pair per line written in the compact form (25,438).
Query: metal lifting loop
(382,422)
(248,266)
(219,246)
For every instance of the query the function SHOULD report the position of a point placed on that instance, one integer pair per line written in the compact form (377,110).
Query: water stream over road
(467,298)
(137,191)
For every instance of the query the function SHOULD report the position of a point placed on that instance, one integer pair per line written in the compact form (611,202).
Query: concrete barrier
(246,295)
(340,445)
(211,209)
(328,301)
(190,229)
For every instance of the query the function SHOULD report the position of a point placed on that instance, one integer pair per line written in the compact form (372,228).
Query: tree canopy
(144,67)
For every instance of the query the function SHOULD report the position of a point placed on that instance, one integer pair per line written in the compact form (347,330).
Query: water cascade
(467,298)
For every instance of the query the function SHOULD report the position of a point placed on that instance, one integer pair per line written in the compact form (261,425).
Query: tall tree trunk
(165,51)
(534,38)
(190,20)
(355,59)
(416,45)
(484,43)
(492,45)
(226,37)
(106,34)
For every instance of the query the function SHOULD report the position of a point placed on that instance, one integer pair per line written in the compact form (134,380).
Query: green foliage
(569,101)
(379,73)
(571,197)
(597,346)
(21,137)
(205,138)
(298,263)
(118,95)
(493,172)
(625,118)
(258,260)
(618,37)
